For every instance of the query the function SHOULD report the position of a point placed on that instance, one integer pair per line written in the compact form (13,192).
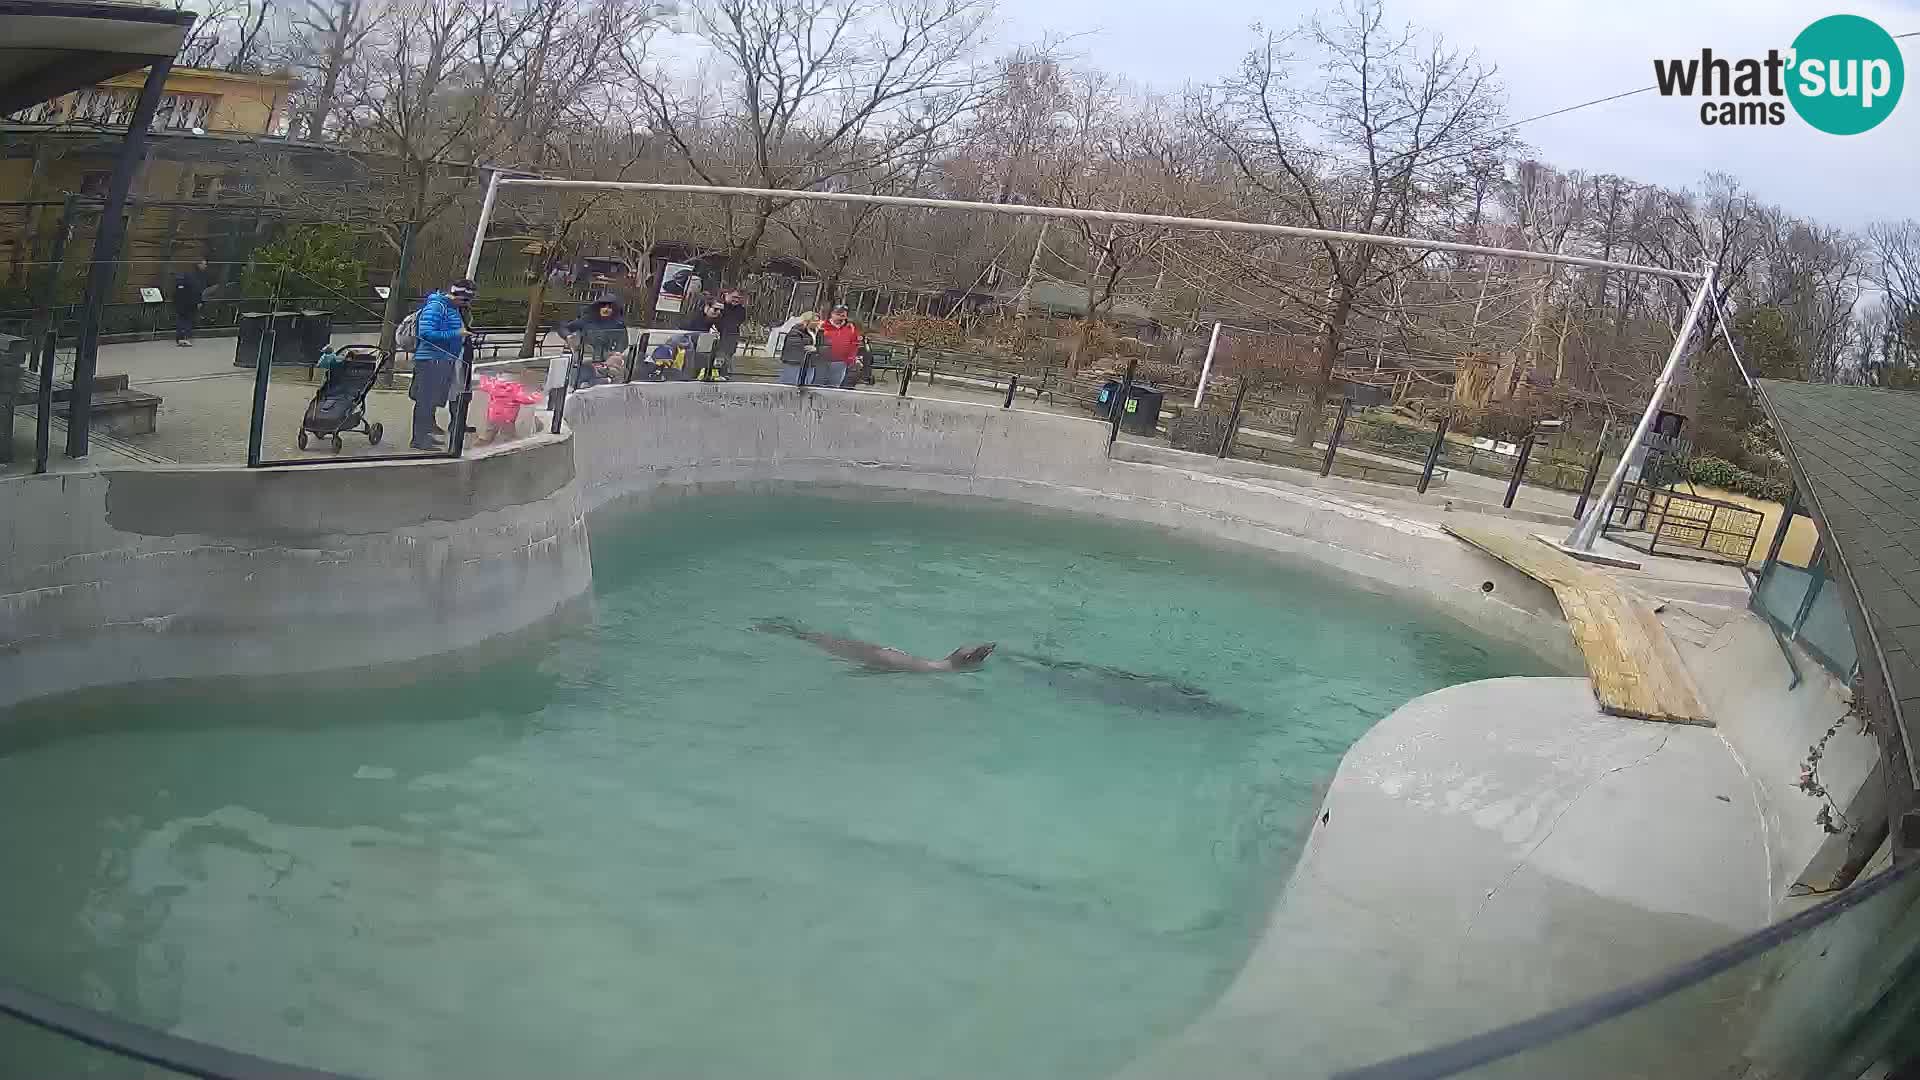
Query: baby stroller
(341,402)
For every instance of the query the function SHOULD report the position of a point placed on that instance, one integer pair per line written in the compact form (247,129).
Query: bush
(310,261)
(1723,474)
(924,331)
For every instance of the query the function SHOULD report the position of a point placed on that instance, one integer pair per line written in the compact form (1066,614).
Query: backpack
(406,336)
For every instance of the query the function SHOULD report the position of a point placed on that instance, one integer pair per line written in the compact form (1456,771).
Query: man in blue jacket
(441,330)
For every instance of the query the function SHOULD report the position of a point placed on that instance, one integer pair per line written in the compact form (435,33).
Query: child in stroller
(341,402)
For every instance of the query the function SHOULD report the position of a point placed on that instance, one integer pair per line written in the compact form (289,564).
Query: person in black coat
(733,316)
(801,362)
(189,291)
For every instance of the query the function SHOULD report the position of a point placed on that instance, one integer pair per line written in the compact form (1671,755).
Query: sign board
(151,295)
(382,291)
(677,283)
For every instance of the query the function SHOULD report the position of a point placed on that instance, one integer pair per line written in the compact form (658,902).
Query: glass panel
(1828,1002)
(1827,632)
(1781,594)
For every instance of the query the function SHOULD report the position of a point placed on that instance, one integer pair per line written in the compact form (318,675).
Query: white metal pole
(1587,531)
(480,230)
(1073,213)
(1206,366)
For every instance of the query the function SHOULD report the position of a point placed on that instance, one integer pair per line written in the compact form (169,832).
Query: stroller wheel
(303,438)
(374,433)
(336,444)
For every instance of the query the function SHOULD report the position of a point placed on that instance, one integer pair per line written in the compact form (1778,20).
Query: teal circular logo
(1847,74)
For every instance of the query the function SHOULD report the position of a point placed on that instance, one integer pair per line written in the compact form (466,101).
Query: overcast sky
(1553,53)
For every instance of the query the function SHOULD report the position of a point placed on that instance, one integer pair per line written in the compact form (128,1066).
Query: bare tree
(819,91)
(329,34)
(1371,146)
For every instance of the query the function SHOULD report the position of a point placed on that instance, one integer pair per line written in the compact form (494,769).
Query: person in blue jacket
(441,330)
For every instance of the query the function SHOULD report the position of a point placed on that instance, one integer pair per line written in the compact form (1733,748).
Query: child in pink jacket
(504,399)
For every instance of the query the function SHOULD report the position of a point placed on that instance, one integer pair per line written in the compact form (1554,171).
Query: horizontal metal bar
(140,1043)
(1214,224)
(360,459)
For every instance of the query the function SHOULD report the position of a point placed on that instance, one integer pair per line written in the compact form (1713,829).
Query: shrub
(1723,474)
(310,261)
(921,330)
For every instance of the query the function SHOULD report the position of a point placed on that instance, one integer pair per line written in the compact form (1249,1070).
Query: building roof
(1855,455)
(53,47)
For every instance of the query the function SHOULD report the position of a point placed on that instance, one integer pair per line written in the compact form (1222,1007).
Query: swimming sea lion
(879,657)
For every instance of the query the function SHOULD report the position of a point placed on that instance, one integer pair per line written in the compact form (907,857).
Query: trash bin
(1141,416)
(316,329)
(246,341)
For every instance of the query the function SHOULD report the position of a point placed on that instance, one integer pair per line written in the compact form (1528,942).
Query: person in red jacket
(842,340)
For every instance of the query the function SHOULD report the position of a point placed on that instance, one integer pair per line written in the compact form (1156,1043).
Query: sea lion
(879,657)
(1118,686)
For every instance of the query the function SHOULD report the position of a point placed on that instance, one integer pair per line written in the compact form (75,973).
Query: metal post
(1013,383)
(262,373)
(106,247)
(1233,420)
(43,424)
(1519,470)
(1779,538)
(480,230)
(906,376)
(557,395)
(1333,440)
(1433,452)
(457,415)
(1119,406)
(1593,468)
(1587,531)
(1206,366)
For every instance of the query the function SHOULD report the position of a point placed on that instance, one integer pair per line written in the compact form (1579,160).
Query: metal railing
(1660,521)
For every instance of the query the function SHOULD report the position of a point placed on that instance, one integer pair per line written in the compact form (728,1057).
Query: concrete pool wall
(174,572)
(637,442)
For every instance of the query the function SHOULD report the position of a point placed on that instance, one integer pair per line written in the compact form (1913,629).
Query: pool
(669,844)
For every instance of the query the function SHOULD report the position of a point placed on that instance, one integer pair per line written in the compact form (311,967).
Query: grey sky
(1553,53)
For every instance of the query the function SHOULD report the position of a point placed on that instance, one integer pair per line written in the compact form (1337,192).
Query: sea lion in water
(879,657)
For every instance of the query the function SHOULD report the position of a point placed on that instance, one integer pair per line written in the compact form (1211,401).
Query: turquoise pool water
(668,845)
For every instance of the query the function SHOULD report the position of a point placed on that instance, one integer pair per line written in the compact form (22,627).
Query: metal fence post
(1119,406)
(1593,469)
(457,413)
(1433,452)
(1233,420)
(263,373)
(43,424)
(1519,470)
(557,398)
(1333,440)
(1013,383)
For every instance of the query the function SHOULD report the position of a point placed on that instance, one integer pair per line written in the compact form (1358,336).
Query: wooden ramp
(1634,668)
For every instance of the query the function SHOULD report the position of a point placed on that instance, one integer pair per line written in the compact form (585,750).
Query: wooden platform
(1634,668)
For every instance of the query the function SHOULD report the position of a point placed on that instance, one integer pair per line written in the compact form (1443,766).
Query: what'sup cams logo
(1843,75)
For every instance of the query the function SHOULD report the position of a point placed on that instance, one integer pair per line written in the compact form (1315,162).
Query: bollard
(1519,470)
(1013,383)
(1233,420)
(1433,453)
(1333,440)
(1119,406)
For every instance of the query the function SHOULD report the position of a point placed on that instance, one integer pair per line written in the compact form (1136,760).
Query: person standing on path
(441,333)
(843,339)
(189,291)
(800,352)
(733,316)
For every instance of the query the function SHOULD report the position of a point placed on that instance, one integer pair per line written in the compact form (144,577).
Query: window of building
(94,184)
(202,186)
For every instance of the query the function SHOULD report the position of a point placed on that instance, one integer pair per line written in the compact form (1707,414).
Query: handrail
(1504,1042)
(151,1046)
